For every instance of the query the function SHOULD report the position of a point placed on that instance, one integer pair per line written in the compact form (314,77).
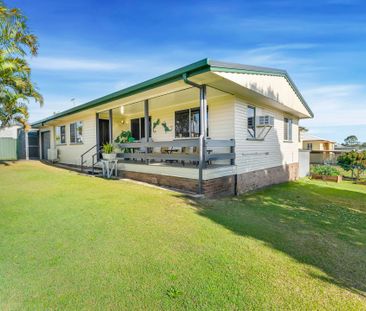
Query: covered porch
(186,137)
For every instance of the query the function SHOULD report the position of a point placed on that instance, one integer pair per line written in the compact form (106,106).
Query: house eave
(194,69)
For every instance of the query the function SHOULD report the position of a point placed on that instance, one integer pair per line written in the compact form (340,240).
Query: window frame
(141,124)
(61,135)
(78,137)
(183,111)
(190,115)
(254,135)
(287,129)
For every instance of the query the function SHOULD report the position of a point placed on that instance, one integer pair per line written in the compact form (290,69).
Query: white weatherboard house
(214,128)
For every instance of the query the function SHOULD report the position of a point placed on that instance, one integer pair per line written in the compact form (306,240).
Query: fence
(304,163)
(8,148)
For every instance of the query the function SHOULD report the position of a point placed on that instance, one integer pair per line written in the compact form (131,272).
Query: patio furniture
(167,150)
(108,167)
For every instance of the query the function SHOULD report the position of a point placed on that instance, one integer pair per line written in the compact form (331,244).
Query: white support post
(111,126)
(26,145)
(203,128)
(146,119)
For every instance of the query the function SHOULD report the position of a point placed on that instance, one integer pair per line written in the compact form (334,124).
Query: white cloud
(278,56)
(53,104)
(335,90)
(337,105)
(70,64)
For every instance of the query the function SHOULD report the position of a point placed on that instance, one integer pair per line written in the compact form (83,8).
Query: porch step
(97,171)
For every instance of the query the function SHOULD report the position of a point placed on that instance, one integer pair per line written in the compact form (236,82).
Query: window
(251,121)
(138,128)
(195,122)
(60,135)
(309,146)
(287,129)
(182,123)
(187,123)
(76,132)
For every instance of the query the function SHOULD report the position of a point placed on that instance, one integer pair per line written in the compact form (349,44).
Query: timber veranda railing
(173,152)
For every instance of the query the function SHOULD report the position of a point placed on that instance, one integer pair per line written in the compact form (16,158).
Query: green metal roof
(201,66)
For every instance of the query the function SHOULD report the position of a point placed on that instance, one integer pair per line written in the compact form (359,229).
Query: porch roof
(194,69)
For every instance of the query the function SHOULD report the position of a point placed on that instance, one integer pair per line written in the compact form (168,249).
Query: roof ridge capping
(221,64)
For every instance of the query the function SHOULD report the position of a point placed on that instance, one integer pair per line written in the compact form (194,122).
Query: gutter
(172,76)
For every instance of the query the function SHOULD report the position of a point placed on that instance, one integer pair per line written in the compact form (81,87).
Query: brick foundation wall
(186,184)
(275,175)
(211,188)
(220,186)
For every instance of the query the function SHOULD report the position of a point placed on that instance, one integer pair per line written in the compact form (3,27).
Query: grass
(75,242)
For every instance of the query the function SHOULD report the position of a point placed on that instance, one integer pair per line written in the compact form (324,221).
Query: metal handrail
(93,159)
(82,157)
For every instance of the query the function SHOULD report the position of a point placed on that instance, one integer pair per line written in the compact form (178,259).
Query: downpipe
(203,127)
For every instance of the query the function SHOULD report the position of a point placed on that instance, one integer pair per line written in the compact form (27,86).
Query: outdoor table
(171,150)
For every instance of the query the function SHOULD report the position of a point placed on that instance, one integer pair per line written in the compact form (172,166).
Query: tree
(14,109)
(16,86)
(351,140)
(354,161)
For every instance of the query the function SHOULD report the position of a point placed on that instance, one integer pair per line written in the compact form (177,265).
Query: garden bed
(327,178)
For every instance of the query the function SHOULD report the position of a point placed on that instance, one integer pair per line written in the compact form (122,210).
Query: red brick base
(226,185)
(258,179)
(223,185)
(211,188)
(185,184)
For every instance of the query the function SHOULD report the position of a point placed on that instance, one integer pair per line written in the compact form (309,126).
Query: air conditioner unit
(265,121)
(52,155)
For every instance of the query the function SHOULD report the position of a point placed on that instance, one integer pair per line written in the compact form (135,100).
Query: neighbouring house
(322,150)
(210,127)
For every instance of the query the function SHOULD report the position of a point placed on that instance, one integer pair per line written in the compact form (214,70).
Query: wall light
(122,109)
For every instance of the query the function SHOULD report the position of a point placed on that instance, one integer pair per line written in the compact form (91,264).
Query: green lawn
(76,242)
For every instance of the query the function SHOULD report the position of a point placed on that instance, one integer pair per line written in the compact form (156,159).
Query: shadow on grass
(320,226)
(5,163)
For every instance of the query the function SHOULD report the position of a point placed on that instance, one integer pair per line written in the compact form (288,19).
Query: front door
(103,132)
(46,144)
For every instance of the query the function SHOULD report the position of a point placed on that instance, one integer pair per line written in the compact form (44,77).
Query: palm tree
(16,86)
(14,110)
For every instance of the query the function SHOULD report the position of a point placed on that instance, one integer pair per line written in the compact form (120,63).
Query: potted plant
(108,152)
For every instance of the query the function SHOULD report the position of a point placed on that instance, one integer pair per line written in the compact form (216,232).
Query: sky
(89,48)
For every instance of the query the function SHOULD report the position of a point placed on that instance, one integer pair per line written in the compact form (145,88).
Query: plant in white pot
(108,152)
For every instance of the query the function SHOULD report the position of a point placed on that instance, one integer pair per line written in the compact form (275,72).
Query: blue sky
(91,48)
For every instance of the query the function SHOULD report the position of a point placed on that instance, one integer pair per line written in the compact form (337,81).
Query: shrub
(354,161)
(123,138)
(325,170)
